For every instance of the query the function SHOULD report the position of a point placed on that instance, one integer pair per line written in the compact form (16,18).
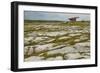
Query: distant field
(56,40)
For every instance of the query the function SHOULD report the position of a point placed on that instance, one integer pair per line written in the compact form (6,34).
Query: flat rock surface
(56,42)
(34,58)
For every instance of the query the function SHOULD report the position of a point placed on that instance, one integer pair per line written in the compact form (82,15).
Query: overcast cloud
(37,15)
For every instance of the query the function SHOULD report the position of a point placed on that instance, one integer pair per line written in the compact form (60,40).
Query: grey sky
(37,15)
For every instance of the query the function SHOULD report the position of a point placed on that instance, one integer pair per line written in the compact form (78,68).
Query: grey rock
(62,50)
(34,58)
(72,56)
(82,47)
(55,58)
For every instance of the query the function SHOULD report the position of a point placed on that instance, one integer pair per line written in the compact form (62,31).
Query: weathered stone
(55,58)
(30,51)
(33,34)
(62,50)
(76,40)
(59,58)
(28,38)
(75,34)
(45,47)
(26,50)
(83,47)
(50,40)
(86,54)
(83,37)
(50,59)
(56,33)
(34,58)
(83,44)
(72,56)
(86,57)
(51,44)
(37,39)
(65,37)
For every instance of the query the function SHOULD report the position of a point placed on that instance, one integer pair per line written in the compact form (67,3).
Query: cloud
(40,15)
